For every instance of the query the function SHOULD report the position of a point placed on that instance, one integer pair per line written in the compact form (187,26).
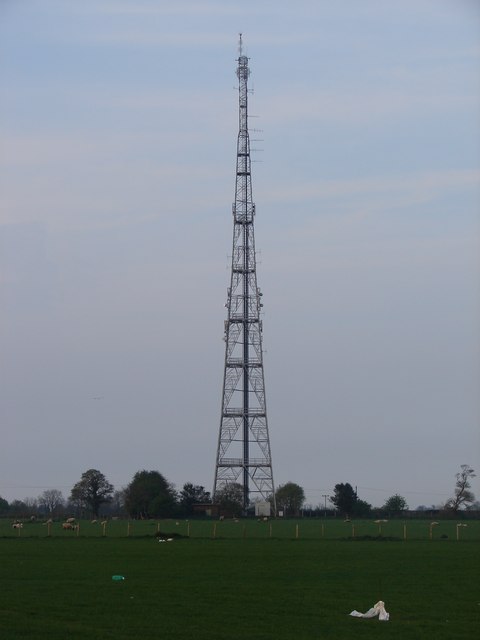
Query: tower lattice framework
(243,454)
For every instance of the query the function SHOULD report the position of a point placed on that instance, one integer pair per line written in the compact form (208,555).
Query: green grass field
(306,529)
(238,585)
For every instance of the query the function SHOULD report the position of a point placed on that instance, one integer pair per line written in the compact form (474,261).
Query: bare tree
(31,505)
(51,500)
(463,496)
(230,498)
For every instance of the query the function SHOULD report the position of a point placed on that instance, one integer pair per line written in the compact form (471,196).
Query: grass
(235,588)
(307,529)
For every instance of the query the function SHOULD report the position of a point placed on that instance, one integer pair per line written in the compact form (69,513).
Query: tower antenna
(243,453)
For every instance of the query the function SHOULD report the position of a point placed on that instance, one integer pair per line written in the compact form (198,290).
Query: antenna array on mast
(243,453)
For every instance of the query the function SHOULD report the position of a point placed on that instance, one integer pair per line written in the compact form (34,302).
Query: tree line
(151,495)
(148,495)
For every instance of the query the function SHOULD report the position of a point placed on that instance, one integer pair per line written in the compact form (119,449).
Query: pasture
(241,583)
(306,529)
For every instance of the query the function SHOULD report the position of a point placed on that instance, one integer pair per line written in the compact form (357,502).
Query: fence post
(458,529)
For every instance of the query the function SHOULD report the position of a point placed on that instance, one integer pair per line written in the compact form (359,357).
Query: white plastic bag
(378,609)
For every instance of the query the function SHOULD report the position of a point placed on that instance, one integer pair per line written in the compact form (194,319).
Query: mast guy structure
(243,454)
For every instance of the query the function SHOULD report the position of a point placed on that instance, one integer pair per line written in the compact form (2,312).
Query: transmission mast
(243,454)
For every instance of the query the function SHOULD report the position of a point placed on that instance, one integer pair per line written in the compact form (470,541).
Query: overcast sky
(118,125)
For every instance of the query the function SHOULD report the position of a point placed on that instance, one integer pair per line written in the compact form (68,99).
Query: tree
(362,509)
(18,509)
(51,500)
(230,498)
(463,496)
(117,506)
(344,498)
(91,491)
(4,506)
(192,494)
(150,495)
(290,497)
(395,505)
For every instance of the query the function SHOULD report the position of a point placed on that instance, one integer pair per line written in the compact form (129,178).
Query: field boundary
(301,530)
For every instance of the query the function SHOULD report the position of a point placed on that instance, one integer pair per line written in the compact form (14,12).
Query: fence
(301,530)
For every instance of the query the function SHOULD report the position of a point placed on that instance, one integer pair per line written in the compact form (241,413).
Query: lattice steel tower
(243,454)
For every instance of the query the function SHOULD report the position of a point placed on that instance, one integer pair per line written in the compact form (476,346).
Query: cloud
(367,106)
(418,187)
(95,179)
(406,218)
(140,38)
(150,9)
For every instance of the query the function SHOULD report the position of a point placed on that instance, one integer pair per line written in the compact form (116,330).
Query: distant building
(263,509)
(209,510)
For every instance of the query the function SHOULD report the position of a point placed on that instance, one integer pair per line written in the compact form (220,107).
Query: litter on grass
(117,578)
(378,609)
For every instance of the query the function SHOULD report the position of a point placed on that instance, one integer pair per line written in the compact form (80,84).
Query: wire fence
(235,529)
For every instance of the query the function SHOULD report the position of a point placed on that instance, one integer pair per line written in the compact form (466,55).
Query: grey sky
(118,123)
